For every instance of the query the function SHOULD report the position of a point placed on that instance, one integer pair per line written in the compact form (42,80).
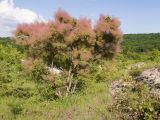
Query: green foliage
(39,70)
(137,103)
(9,63)
(10,74)
(134,72)
(5,54)
(155,55)
(5,41)
(18,92)
(141,47)
(47,92)
(140,42)
(16,108)
(8,41)
(106,71)
(136,56)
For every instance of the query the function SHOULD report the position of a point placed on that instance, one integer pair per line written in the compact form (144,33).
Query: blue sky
(137,16)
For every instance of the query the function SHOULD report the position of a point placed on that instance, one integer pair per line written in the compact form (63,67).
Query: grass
(79,106)
(90,104)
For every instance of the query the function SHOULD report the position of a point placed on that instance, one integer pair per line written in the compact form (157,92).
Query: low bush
(137,103)
(135,72)
(155,55)
(16,108)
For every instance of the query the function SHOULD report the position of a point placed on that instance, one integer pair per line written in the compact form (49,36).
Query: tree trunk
(52,63)
(69,81)
(74,87)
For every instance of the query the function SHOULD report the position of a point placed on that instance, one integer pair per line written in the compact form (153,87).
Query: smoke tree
(108,37)
(69,43)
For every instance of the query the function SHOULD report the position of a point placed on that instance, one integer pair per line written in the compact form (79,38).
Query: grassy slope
(89,104)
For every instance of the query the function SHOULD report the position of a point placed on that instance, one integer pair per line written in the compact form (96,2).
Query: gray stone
(151,77)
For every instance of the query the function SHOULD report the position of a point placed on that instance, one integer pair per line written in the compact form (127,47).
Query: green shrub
(47,92)
(155,55)
(19,92)
(9,54)
(16,108)
(39,69)
(9,63)
(136,103)
(106,71)
(36,69)
(135,72)
(136,56)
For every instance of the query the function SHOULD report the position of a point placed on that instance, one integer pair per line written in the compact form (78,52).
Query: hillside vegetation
(141,42)
(24,97)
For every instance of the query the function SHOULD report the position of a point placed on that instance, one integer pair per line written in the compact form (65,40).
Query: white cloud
(10,16)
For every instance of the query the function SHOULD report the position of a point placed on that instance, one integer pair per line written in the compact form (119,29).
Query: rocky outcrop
(151,77)
(117,86)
